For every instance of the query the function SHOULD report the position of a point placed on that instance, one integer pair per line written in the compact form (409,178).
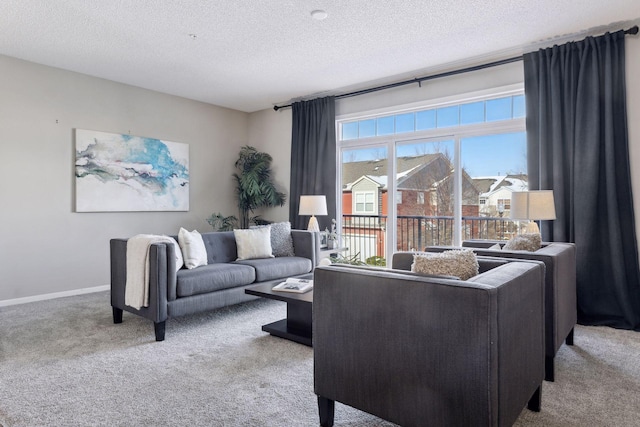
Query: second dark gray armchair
(560,289)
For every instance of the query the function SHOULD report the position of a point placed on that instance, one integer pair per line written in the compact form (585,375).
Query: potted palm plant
(254,189)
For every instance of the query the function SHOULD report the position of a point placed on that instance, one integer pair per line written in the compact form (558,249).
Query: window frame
(391,141)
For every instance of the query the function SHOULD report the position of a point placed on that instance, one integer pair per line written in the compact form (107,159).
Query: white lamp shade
(313,205)
(532,205)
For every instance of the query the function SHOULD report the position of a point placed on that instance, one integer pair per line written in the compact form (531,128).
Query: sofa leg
(117,315)
(159,328)
(326,409)
(536,400)
(549,374)
(569,339)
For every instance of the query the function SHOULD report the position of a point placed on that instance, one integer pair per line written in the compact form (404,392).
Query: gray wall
(45,247)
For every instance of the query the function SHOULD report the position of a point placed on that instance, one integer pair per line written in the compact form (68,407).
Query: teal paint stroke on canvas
(116,172)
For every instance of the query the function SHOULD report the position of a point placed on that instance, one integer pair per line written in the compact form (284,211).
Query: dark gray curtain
(578,147)
(313,158)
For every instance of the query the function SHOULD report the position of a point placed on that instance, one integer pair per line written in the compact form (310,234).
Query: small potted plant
(332,236)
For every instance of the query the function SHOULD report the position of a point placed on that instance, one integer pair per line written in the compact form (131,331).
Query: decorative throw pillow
(253,243)
(460,263)
(193,249)
(281,240)
(178,253)
(524,242)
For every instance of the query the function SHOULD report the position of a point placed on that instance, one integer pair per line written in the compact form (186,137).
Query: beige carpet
(64,363)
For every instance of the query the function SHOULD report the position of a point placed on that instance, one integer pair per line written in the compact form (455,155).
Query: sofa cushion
(281,240)
(213,277)
(458,263)
(524,242)
(278,268)
(253,243)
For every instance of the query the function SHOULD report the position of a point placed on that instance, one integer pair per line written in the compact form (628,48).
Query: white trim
(54,295)
(457,193)
(497,92)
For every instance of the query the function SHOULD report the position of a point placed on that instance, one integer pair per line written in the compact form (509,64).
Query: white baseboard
(53,295)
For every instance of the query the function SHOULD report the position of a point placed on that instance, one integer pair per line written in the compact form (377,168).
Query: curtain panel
(313,158)
(578,147)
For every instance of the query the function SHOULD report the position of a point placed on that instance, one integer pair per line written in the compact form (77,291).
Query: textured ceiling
(252,54)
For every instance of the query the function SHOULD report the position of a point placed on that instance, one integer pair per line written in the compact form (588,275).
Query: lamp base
(313,224)
(532,227)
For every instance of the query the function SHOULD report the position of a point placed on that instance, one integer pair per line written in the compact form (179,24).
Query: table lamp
(313,205)
(533,206)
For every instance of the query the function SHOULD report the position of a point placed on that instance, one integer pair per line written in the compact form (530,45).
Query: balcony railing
(364,235)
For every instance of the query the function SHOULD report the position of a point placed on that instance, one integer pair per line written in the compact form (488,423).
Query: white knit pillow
(253,243)
(459,263)
(193,249)
(524,242)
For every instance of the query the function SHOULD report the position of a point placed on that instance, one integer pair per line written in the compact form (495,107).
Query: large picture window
(434,174)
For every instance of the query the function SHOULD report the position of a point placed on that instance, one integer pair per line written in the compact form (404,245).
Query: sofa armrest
(565,306)
(162,276)
(485,244)
(306,244)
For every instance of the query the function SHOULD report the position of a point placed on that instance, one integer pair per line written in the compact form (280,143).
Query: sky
(489,155)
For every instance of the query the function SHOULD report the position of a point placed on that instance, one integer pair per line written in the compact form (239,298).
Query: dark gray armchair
(560,289)
(418,350)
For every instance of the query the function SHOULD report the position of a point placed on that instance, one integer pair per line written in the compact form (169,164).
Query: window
(365,202)
(490,110)
(454,161)
(505,203)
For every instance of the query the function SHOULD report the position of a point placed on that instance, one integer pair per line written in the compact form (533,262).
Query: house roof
(490,184)
(436,167)
(380,181)
(352,171)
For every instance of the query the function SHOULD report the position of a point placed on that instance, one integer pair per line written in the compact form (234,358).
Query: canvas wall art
(119,173)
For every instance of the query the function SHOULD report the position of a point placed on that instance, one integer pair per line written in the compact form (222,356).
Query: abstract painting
(118,172)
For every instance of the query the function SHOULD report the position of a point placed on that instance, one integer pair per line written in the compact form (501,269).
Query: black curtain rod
(419,80)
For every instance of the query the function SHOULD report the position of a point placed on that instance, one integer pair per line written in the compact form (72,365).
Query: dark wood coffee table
(297,326)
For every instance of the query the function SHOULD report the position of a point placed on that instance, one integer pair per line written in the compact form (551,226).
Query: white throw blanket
(136,293)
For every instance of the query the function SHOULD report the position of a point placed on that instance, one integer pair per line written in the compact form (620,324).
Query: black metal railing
(364,235)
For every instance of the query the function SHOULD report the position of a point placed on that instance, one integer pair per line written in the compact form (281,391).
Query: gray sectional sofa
(220,283)
(419,350)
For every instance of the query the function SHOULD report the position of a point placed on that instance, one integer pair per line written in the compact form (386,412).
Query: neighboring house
(424,188)
(495,197)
